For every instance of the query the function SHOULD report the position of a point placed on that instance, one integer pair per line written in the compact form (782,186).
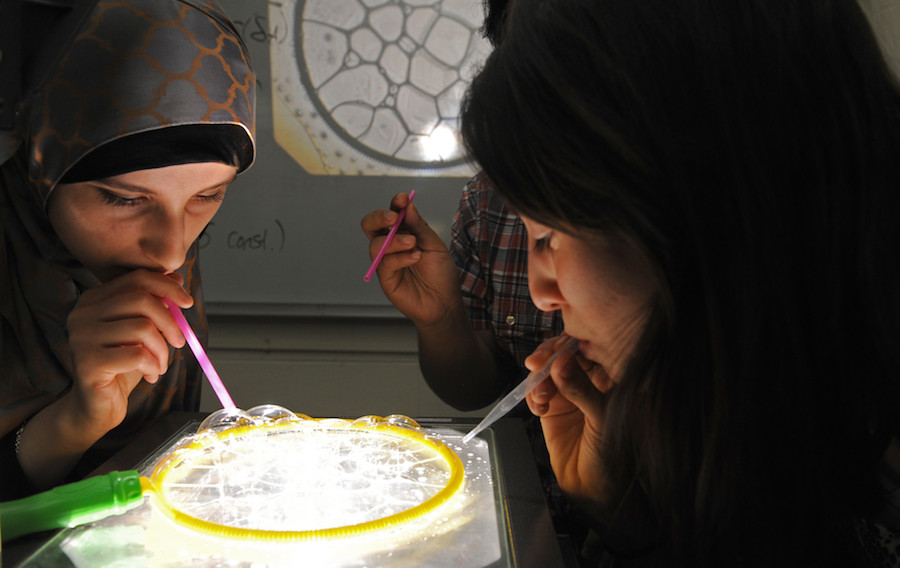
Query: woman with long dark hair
(711,193)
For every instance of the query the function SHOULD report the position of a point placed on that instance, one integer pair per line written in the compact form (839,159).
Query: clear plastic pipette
(515,396)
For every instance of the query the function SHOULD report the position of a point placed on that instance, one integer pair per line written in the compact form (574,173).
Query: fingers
(545,350)
(178,280)
(123,326)
(544,392)
(405,250)
(154,283)
(121,344)
(402,243)
(120,304)
(575,382)
(378,222)
(595,372)
(400,201)
(131,360)
(579,388)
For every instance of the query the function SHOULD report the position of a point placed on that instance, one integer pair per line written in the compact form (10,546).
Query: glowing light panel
(272,474)
(266,487)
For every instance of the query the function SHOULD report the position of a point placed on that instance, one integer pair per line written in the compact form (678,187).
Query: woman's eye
(118,200)
(542,243)
(212,198)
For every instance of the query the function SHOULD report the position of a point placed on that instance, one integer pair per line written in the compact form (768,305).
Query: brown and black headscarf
(120,85)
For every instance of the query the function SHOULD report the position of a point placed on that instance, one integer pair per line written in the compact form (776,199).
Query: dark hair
(495,14)
(750,149)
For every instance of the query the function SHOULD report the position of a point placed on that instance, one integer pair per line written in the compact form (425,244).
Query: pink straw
(211,375)
(388,240)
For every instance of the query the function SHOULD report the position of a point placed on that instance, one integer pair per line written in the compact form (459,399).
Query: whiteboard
(345,89)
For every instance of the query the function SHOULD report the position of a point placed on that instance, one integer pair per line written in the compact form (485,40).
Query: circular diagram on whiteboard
(373,87)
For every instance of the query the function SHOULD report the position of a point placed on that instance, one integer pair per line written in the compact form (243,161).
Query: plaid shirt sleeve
(490,246)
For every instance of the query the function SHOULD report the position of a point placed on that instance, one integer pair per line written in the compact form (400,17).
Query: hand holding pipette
(518,394)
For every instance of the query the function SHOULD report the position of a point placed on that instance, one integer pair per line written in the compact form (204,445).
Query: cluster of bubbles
(225,419)
(270,469)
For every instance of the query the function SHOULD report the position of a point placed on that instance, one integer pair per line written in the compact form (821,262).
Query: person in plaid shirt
(470,303)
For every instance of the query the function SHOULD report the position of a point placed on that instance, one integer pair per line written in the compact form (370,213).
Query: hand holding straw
(387,241)
(211,375)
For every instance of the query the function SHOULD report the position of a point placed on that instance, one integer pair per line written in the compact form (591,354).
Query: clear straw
(211,375)
(516,396)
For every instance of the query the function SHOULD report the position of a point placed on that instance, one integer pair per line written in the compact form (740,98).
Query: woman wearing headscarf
(135,117)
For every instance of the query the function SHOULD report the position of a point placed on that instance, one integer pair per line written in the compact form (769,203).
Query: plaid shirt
(490,246)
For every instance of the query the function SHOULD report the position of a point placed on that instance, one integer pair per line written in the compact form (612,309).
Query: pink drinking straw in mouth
(211,375)
(387,241)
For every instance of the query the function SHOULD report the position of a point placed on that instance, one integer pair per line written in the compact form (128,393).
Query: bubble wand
(211,375)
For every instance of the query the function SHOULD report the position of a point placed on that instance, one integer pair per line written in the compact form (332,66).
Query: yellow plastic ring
(453,485)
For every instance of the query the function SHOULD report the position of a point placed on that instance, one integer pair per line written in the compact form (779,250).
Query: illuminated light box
(268,488)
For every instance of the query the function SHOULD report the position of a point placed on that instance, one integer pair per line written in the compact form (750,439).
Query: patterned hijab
(125,85)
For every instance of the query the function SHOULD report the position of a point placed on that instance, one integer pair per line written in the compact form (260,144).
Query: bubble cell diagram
(373,87)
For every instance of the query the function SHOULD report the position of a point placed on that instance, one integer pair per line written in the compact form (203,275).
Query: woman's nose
(163,242)
(543,286)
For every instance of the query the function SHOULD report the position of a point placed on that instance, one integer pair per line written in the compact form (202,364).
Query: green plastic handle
(71,505)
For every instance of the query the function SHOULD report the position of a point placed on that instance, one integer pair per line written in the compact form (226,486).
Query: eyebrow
(110,182)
